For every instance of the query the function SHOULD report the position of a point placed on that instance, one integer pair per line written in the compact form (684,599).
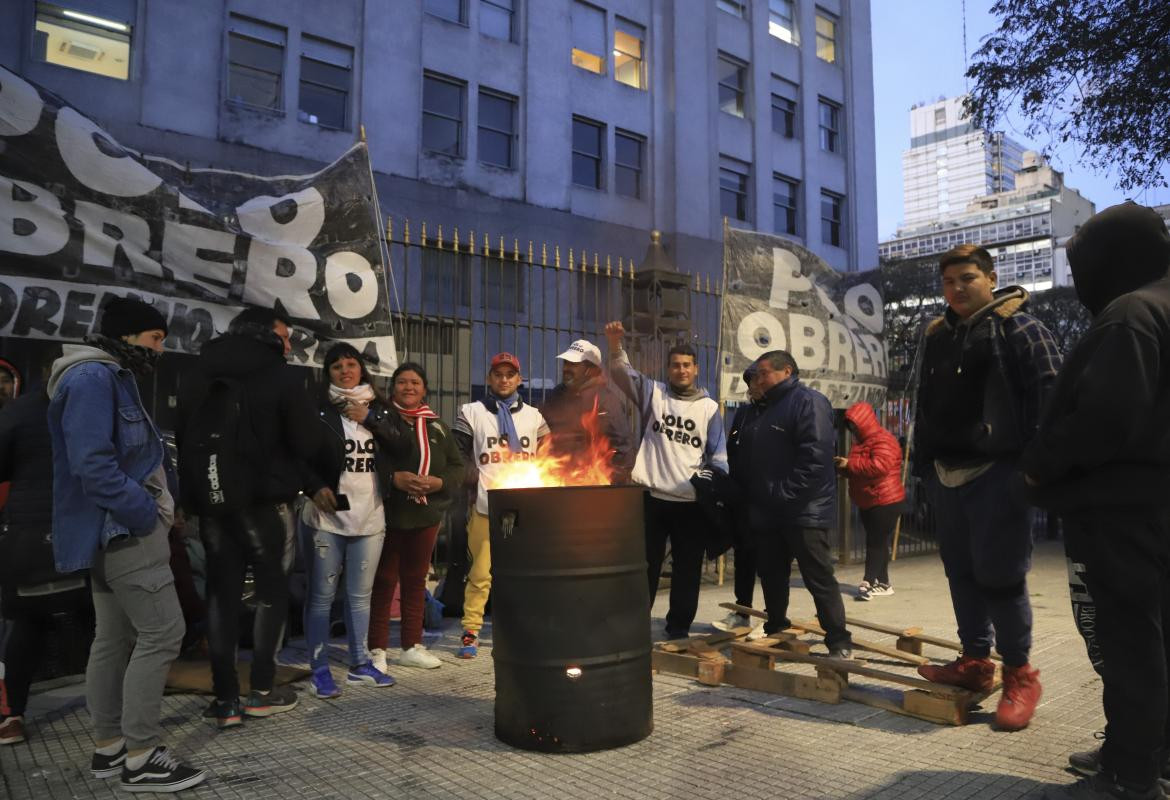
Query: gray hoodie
(72,355)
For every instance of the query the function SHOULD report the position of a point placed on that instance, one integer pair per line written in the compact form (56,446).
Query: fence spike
(439,237)
(530,251)
(708,284)
(621,268)
(596,264)
(455,238)
(608,267)
(389,228)
(501,247)
(406,230)
(557,254)
(486,247)
(516,249)
(423,235)
(698,282)
(570,259)
(543,254)
(631,269)
(471,242)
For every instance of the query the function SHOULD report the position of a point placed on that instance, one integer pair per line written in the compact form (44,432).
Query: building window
(826,36)
(255,64)
(940,117)
(732,80)
(504,284)
(784,95)
(453,10)
(628,65)
(84,42)
(588,37)
(784,204)
(326,73)
(782,21)
(497,129)
(733,189)
(496,19)
(588,137)
(627,163)
(831,210)
(443,114)
(733,7)
(830,125)
(446,284)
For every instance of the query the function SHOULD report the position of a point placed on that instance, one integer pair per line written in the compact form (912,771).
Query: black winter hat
(125,316)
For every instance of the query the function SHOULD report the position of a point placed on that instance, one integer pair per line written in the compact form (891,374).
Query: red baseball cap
(504,358)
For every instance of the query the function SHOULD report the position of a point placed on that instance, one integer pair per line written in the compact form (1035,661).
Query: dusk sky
(918,57)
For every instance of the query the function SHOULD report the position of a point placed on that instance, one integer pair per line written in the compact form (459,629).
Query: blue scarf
(507,426)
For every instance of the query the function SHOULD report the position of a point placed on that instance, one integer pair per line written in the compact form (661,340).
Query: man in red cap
(497,429)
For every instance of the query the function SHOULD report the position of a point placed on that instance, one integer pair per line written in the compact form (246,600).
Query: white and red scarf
(419,416)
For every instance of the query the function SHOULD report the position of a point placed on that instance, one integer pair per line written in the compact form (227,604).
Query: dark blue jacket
(781,453)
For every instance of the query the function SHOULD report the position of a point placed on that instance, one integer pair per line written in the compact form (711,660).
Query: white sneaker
(378,659)
(880,589)
(757,633)
(733,620)
(418,656)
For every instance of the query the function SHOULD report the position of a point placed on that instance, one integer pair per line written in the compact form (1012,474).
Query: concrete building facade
(1025,229)
(587,124)
(949,163)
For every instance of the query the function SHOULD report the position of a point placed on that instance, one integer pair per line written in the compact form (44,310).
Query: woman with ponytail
(344,527)
(427,472)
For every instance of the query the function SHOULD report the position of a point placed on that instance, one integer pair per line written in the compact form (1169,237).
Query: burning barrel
(570,628)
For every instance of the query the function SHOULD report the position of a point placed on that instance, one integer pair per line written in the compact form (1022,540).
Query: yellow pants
(479,575)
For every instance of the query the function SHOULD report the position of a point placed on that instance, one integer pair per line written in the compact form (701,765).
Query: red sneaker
(12,730)
(976,674)
(1021,693)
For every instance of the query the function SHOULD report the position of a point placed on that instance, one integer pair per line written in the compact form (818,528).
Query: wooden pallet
(760,666)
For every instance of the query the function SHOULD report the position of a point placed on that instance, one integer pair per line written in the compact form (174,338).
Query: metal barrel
(570,621)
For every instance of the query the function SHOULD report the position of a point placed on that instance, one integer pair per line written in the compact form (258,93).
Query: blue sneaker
(323,684)
(470,648)
(368,674)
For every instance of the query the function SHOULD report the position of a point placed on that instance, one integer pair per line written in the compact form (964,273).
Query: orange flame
(589,466)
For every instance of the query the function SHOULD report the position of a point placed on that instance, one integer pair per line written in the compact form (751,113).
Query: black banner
(82,217)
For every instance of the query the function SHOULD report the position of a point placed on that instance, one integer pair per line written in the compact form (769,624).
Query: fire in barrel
(569,602)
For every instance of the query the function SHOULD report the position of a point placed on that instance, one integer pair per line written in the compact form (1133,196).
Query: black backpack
(218,459)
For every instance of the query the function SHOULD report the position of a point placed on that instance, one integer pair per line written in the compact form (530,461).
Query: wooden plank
(911,633)
(743,658)
(674,663)
(952,713)
(855,668)
(909,644)
(747,611)
(805,687)
(865,644)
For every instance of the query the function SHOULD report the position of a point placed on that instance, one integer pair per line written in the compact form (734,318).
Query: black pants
(775,550)
(879,523)
(745,571)
(69,615)
(683,524)
(261,538)
(1126,555)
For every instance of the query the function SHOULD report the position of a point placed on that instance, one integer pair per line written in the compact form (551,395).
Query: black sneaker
(101,766)
(1087,763)
(265,704)
(224,713)
(162,772)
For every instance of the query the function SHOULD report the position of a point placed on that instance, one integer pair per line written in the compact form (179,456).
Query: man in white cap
(584,389)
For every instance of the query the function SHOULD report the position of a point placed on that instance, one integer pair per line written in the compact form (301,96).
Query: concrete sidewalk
(431,735)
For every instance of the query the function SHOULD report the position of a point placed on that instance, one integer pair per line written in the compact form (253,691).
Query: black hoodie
(1104,439)
(283,417)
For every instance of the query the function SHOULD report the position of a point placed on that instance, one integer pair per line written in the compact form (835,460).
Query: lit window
(497,18)
(830,125)
(784,95)
(784,204)
(497,129)
(452,10)
(588,37)
(255,64)
(442,130)
(326,70)
(733,7)
(733,189)
(628,65)
(826,37)
(831,209)
(83,42)
(732,79)
(587,149)
(782,21)
(627,163)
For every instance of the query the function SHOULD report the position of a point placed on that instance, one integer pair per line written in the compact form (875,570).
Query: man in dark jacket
(986,372)
(584,389)
(284,429)
(1101,459)
(781,454)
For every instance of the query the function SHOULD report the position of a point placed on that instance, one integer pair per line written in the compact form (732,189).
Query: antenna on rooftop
(966,83)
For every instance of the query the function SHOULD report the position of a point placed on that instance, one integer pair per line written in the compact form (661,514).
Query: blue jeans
(328,556)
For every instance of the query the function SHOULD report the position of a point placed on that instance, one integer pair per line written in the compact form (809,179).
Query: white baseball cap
(582,350)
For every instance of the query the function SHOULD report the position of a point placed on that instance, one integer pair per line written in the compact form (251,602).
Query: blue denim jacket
(104,448)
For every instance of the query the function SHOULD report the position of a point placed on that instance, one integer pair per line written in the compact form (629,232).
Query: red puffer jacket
(875,461)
